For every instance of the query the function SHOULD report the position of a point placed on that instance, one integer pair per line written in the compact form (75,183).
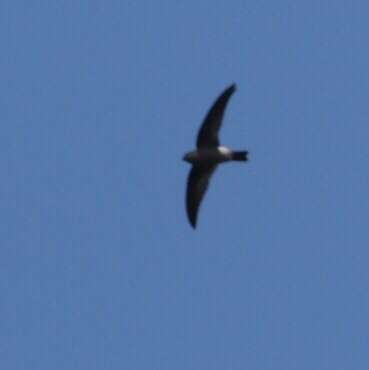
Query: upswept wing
(208,134)
(197,183)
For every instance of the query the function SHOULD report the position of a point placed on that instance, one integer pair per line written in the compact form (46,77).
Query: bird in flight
(208,155)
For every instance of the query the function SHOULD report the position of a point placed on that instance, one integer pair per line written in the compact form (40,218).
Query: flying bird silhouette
(208,155)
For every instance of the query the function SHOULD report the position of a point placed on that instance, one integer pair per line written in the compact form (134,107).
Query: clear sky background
(99,268)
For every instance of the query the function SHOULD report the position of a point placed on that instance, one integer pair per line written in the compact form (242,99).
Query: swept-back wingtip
(233,87)
(230,90)
(192,223)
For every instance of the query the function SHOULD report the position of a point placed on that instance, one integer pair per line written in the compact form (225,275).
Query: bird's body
(208,155)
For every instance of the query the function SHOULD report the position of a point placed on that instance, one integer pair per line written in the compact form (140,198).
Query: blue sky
(99,266)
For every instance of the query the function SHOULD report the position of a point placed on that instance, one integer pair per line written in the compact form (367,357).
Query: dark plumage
(208,133)
(197,184)
(208,155)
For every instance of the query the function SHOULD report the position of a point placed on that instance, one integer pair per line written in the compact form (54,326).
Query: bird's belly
(206,156)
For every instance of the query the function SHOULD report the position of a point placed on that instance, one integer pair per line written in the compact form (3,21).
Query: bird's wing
(197,183)
(208,133)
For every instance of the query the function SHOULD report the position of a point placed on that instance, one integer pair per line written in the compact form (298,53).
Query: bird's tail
(240,156)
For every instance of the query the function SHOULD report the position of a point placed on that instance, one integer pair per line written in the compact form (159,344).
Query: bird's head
(186,157)
(189,157)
